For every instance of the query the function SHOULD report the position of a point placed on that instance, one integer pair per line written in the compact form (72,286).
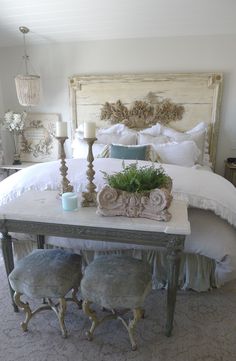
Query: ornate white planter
(153,204)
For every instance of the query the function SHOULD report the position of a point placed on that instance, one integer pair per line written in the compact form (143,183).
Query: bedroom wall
(55,63)
(1,110)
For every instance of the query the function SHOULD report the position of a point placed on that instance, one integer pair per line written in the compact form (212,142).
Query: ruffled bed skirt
(197,272)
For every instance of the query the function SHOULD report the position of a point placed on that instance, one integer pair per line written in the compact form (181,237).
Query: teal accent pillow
(128,152)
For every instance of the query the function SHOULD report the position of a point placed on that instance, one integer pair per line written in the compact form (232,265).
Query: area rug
(204,330)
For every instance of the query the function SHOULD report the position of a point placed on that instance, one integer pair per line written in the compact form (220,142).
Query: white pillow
(116,128)
(185,153)
(114,133)
(202,126)
(80,148)
(117,133)
(113,129)
(198,128)
(170,132)
(149,139)
(128,138)
(154,130)
(198,134)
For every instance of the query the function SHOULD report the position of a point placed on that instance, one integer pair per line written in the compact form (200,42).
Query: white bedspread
(202,189)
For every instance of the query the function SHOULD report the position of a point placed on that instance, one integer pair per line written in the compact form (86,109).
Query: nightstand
(230,172)
(8,168)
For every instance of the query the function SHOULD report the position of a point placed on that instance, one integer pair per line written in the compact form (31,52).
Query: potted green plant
(136,192)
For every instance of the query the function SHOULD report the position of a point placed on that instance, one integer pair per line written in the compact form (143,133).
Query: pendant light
(27,85)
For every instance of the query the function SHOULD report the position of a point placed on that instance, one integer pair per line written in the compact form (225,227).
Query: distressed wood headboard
(198,93)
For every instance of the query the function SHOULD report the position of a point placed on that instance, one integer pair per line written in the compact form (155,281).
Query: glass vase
(16,156)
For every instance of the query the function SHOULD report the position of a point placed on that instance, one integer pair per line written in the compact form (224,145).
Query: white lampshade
(28,89)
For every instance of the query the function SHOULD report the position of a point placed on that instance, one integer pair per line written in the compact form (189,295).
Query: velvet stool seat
(117,283)
(47,274)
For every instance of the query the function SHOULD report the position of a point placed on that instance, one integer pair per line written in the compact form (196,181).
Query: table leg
(40,241)
(174,249)
(8,261)
(8,172)
(40,245)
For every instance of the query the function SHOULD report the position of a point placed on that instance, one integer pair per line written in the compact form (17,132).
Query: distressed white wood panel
(199,93)
(129,92)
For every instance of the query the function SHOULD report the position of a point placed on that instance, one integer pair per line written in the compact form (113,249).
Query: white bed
(210,250)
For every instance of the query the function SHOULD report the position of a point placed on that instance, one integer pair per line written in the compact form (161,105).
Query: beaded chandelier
(27,85)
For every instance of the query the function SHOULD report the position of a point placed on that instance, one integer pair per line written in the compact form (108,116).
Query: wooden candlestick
(89,198)
(65,184)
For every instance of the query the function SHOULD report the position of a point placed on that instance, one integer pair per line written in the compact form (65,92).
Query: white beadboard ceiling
(53,21)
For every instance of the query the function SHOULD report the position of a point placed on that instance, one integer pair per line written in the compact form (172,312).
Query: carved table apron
(40,213)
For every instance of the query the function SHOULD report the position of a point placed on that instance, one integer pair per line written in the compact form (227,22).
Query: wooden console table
(41,213)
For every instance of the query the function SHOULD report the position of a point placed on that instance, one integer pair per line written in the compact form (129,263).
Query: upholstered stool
(116,282)
(46,274)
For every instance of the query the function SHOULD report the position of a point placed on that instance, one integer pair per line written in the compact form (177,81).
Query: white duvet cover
(211,198)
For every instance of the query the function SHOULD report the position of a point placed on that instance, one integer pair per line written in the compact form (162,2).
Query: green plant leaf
(138,179)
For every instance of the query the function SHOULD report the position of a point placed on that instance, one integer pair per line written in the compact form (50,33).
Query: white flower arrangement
(14,122)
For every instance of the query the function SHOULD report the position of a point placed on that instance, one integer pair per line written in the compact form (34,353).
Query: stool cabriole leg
(92,316)
(59,309)
(61,316)
(28,312)
(138,314)
(26,308)
(74,298)
(131,326)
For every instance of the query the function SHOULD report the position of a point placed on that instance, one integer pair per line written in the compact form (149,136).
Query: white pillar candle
(61,129)
(89,130)
(69,201)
